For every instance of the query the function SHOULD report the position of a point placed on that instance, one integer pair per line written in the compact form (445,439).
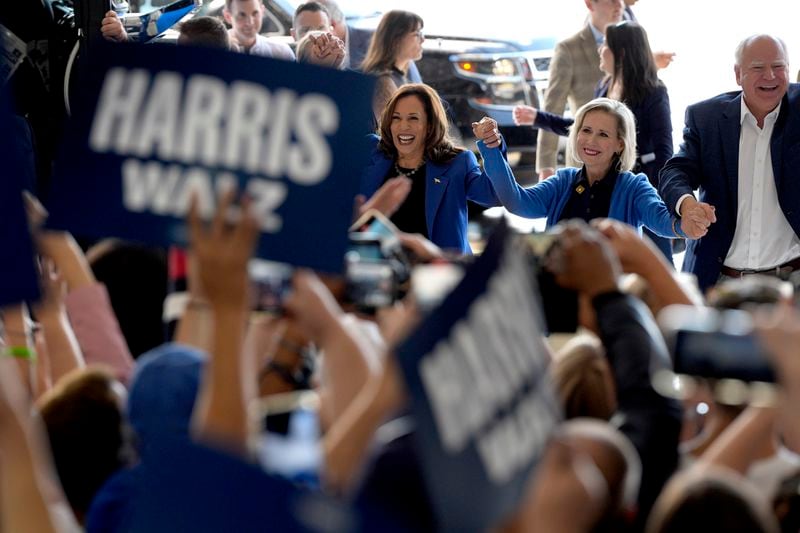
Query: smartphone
(375,223)
(371,284)
(270,283)
(431,283)
(708,343)
(364,246)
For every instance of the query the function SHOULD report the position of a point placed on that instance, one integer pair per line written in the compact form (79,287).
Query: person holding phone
(412,141)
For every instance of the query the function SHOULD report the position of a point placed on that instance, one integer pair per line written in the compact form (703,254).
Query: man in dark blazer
(741,151)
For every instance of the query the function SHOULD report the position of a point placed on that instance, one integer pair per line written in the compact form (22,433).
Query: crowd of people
(96,389)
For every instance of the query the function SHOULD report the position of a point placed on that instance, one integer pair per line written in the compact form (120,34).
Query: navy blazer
(448,186)
(709,160)
(653,129)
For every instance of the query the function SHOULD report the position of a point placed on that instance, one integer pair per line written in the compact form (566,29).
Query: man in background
(574,73)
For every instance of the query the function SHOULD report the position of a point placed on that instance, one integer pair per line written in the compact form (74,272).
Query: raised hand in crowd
(638,255)
(696,217)
(112,28)
(567,493)
(524,115)
(222,250)
(387,199)
(63,350)
(345,444)
(30,496)
(779,331)
(486,130)
(87,303)
(349,359)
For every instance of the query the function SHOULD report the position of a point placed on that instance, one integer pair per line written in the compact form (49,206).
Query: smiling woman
(396,43)
(603,138)
(413,142)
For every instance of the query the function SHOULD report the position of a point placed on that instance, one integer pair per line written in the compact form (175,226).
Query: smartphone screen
(719,355)
(270,283)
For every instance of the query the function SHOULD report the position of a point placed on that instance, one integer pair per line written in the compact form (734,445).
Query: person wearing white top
(245,18)
(739,151)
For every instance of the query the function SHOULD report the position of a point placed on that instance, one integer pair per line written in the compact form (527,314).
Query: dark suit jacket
(709,160)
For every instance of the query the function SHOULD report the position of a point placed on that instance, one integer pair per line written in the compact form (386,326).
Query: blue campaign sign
(18,278)
(476,370)
(160,123)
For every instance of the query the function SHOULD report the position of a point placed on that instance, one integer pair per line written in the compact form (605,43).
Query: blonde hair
(626,129)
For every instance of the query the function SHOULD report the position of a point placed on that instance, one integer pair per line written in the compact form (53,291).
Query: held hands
(112,28)
(486,131)
(328,50)
(525,115)
(696,217)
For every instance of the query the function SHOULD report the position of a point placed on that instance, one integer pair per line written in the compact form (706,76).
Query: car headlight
(504,67)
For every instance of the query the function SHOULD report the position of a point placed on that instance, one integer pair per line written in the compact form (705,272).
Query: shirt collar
(598,35)
(772,116)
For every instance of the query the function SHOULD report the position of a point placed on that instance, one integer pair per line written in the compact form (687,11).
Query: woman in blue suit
(632,78)
(603,138)
(413,142)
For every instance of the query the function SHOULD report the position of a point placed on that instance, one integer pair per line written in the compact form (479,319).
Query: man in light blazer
(574,73)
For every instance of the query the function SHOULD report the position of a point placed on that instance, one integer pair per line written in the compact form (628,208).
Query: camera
(559,304)
(270,283)
(714,344)
(374,272)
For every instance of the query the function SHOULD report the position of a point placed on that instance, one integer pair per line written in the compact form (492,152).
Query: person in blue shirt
(603,139)
(413,142)
(631,77)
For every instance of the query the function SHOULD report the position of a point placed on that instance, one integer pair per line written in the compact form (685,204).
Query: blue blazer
(448,186)
(653,128)
(709,160)
(634,201)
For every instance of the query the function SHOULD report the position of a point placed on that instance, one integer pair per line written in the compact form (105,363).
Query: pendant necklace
(409,174)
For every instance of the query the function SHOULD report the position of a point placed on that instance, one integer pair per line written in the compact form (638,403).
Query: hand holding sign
(222,252)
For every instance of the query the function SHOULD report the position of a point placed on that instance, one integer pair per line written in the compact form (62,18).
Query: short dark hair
(314,7)
(204,31)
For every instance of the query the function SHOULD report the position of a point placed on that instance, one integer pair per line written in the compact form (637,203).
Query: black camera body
(559,305)
(376,271)
(714,344)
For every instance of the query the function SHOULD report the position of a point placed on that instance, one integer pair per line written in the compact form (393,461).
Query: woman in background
(631,78)
(395,45)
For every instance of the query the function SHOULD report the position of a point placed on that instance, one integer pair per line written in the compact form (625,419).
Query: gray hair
(747,41)
(626,129)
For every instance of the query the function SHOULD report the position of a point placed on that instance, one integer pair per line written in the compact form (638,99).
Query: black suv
(475,73)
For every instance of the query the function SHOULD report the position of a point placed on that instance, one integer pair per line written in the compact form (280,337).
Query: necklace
(409,174)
